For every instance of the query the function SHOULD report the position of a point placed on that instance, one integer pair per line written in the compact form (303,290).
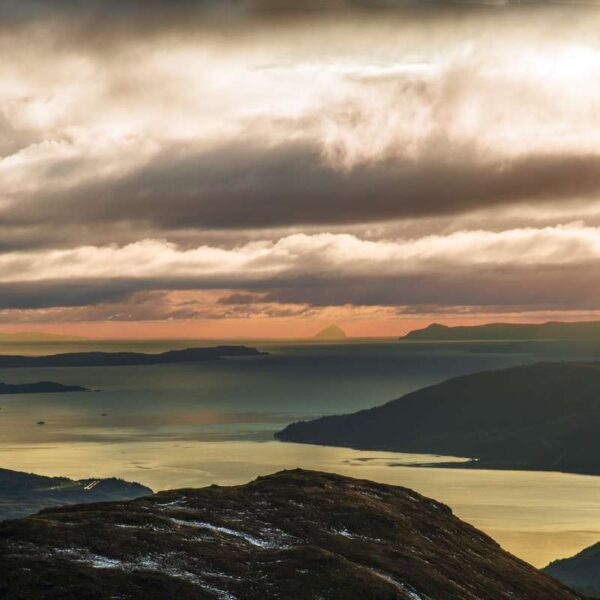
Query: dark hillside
(23,493)
(544,416)
(295,535)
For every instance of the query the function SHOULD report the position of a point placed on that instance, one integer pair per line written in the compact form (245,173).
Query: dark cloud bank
(246,186)
(550,287)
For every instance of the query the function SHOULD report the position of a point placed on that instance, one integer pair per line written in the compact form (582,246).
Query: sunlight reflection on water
(537,516)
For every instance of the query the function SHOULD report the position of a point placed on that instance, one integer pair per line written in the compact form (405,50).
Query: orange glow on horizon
(277,328)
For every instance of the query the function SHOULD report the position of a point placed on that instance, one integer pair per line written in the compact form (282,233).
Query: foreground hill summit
(552,330)
(24,493)
(294,535)
(544,416)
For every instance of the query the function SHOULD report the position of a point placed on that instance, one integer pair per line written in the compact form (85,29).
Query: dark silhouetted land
(295,535)
(552,330)
(543,417)
(580,572)
(110,359)
(23,493)
(41,387)
(331,333)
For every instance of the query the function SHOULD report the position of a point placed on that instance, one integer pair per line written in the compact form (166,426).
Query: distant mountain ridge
(552,330)
(580,572)
(544,416)
(23,494)
(104,359)
(294,535)
(38,336)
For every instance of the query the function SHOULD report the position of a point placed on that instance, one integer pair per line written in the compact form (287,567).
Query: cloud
(318,255)
(553,267)
(520,289)
(181,134)
(25,295)
(261,187)
(164,160)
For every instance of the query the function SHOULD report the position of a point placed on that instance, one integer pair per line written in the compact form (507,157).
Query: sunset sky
(214,168)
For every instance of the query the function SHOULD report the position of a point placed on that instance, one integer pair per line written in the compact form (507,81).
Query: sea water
(179,425)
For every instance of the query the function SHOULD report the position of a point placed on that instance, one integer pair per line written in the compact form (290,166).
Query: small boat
(41,422)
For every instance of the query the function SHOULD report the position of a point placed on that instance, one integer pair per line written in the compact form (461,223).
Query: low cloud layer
(305,256)
(551,268)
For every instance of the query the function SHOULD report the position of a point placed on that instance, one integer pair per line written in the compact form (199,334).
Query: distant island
(111,359)
(41,387)
(38,336)
(294,535)
(552,330)
(540,417)
(331,333)
(22,494)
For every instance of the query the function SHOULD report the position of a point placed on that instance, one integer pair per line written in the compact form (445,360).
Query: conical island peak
(332,332)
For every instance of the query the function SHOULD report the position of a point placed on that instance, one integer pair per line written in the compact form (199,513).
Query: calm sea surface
(195,424)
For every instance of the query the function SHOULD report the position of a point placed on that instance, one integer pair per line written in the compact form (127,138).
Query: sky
(248,168)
